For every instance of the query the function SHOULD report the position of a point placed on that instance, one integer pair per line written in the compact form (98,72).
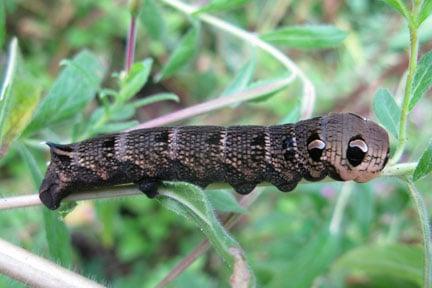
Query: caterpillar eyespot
(242,156)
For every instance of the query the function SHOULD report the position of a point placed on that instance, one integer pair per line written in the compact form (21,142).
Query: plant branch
(35,271)
(398,170)
(218,103)
(308,99)
(423,217)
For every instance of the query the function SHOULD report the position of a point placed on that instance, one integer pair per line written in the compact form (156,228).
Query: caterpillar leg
(149,187)
(244,188)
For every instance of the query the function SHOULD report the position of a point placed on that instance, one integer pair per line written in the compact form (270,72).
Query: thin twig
(398,170)
(215,104)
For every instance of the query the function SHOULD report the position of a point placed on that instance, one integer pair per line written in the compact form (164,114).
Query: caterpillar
(343,146)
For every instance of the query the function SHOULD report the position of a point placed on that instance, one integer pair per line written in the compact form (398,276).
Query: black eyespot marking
(315,147)
(357,149)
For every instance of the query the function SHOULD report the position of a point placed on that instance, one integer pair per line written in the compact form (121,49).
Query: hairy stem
(423,217)
(214,104)
(413,52)
(398,170)
(35,271)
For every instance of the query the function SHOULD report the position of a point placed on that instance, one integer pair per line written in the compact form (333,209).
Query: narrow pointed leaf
(425,11)
(190,202)
(116,127)
(135,79)
(424,166)
(155,98)
(422,79)
(75,87)
(242,78)
(387,111)
(399,6)
(152,19)
(307,36)
(182,55)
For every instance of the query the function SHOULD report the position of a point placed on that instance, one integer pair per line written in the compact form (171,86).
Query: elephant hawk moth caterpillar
(343,146)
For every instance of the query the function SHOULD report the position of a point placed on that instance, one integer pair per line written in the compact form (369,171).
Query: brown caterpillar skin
(242,156)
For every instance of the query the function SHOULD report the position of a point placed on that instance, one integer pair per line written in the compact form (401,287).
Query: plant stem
(423,216)
(35,271)
(403,169)
(130,45)
(214,104)
(413,52)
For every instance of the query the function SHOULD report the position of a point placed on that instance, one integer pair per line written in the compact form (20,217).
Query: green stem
(414,46)
(423,216)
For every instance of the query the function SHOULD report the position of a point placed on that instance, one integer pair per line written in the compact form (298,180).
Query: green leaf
(224,201)
(155,98)
(399,6)
(424,166)
(123,112)
(242,78)
(116,127)
(57,234)
(135,79)
(220,5)
(152,19)
(425,11)
(190,202)
(307,36)
(71,92)
(422,79)
(19,96)
(387,111)
(267,95)
(392,261)
(182,55)
(2,24)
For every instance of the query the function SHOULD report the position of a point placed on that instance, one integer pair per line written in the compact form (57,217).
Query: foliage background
(292,240)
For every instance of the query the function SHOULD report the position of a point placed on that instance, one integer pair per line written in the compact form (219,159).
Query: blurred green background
(134,242)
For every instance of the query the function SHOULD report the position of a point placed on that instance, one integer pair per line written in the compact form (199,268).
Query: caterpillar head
(350,147)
